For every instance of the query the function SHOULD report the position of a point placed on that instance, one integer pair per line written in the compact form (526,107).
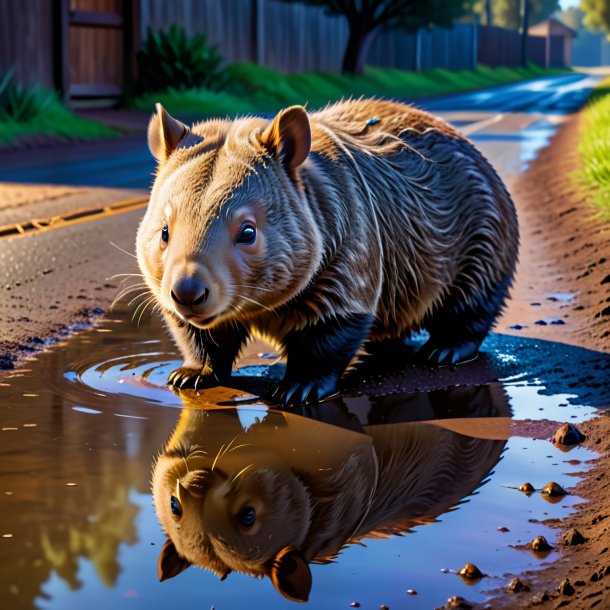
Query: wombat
(367,220)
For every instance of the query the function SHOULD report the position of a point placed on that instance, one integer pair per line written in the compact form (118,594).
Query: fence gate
(97,44)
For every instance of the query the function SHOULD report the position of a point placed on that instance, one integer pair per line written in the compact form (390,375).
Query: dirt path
(562,290)
(564,281)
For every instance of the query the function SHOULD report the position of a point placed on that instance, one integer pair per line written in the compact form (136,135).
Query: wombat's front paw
(300,393)
(184,378)
(433,354)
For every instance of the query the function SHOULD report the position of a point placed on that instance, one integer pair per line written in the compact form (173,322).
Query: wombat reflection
(270,498)
(318,232)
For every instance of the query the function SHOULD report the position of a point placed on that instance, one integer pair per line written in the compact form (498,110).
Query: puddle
(529,142)
(378,492)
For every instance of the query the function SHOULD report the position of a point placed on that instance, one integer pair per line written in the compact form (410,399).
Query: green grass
(256,89)
(56,121)
(26,110)
(594,147)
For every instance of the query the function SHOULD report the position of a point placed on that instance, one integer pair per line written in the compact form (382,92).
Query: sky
(568,3)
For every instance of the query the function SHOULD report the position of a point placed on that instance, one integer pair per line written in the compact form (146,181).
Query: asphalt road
(126,163)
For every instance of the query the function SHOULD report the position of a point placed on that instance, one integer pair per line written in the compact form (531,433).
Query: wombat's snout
(189,295)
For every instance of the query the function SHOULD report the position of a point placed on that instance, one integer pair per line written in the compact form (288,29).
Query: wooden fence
(87,47)
(27,40)
(301,38)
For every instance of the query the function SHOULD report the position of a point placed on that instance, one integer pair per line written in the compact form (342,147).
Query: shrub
(21,103)
(173,60)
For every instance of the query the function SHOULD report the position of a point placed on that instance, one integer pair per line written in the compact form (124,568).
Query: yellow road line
(42,225)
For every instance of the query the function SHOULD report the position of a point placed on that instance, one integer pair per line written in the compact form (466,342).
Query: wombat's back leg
(457,328)
(208,354)
(317,357)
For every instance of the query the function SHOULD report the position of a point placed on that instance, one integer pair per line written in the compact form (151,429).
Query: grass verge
(257,89)
(53,119)
(594,146)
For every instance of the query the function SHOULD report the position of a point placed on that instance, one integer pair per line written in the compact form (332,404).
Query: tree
(367,18)
(572,17)
(507,13)
(597,14)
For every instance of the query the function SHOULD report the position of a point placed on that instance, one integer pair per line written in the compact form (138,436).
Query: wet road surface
(83,424)
(128,164)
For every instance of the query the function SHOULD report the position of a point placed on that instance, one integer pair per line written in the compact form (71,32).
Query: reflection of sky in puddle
(529,142)
(528,402)
(378,572)
(106,413)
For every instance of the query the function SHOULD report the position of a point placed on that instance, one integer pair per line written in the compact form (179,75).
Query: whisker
(239,446)
(241,296)
(255,287)
(240,473)
(121,249)
(216,458)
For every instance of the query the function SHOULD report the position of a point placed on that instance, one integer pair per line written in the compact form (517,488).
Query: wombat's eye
(247,516)
(165,234)
(247,235)
(176,506)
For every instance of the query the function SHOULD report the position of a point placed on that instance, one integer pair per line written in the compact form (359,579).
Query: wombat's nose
(189,293)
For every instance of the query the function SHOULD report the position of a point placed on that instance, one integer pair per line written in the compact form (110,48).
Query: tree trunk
(358,45)
(488,13)
(525,26)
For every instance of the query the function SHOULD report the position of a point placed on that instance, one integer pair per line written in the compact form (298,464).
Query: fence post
(61,48)
(417,39)
(474,43)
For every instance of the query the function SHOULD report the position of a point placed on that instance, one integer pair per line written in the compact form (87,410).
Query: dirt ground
(564,281)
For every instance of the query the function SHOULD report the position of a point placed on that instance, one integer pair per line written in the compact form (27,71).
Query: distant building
(559,39)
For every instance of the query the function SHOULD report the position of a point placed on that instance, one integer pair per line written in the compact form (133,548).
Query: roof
(556,27)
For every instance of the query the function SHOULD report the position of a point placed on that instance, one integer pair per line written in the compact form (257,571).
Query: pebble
(573,538)
(355,605)
(568,434)
(471,572)
(527,488)
(7,535)
(553,489)
(502,528)
(411,592)
(540,544)
(384,607)
(517,586)
(71,484)
(459,602)
(565,588)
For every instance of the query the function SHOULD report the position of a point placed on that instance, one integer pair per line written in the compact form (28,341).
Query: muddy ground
(566,251)
(562,293)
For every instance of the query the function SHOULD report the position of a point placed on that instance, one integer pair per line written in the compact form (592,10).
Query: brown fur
(315,487)
(396,221)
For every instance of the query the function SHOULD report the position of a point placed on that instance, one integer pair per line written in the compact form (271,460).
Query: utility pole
(525,15)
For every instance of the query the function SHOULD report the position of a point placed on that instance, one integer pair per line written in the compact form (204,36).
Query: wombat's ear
(290,575)
(170,564)
(289,136)
(165,133)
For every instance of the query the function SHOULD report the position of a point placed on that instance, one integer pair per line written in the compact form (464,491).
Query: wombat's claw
(184,378)
(438,356)
(296,394)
